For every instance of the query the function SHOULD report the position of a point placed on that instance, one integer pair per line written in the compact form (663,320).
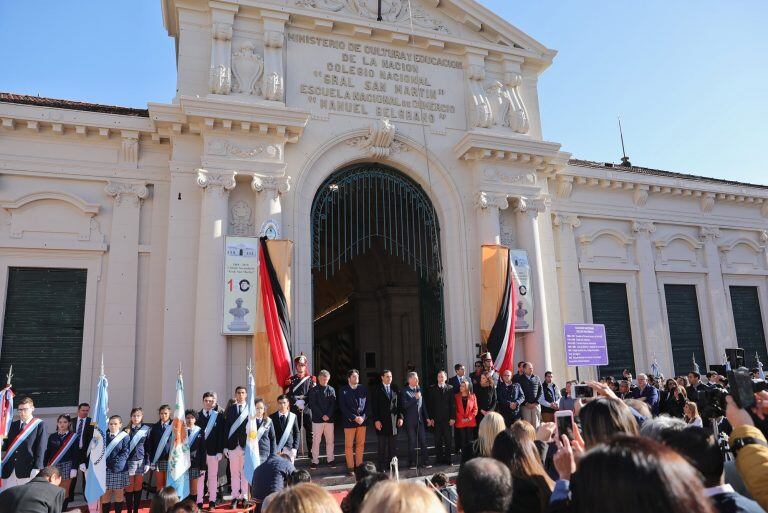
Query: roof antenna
(624,160)
(379,17)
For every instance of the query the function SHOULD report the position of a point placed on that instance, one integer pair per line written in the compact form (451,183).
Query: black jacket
(118,458)
(29,455)
(215,442)
(87,436)
(267,443)
(532,388)
(197,450)
(322,401)
(37,496)
(441,404)
(293,439)
(238,437)
(671,406)
(55,440)
(486,398)
(386,409)
(142,450)
(155,435)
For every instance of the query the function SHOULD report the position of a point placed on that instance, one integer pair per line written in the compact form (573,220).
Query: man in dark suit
(387,418)
(415,418)
(285,420)
(28,458)
(215,437)
(84,429)
(460,376)
(41,495)
(441,406)
(702,452)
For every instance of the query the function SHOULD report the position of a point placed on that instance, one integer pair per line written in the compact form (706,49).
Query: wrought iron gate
(364,202)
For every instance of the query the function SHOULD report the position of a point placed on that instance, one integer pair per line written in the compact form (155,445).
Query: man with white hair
(646,393)
(415,418)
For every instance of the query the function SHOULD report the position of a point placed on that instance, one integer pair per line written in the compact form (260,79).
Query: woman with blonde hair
(491,425)
(393,497)
(523,430)
(303,498)
(691,414)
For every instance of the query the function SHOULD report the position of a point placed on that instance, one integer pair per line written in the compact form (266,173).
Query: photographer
(748,443)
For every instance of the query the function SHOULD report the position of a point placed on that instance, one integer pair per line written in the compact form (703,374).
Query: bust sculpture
(239,313)
(520,313)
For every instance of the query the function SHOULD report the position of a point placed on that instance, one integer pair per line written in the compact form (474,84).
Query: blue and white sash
(63,449)
(211,422)
(28,429)
(193,436)
(163,442)
(139,436)
(238,421)
(116,440)
(259,433)
(287,432)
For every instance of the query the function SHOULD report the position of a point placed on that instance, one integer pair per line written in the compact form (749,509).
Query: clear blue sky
(688,77)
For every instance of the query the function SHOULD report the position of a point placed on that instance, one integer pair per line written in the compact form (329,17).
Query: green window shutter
(684,327)
(750,333)
(43,333)
(610,306)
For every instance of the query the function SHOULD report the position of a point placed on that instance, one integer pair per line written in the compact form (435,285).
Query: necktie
(21,425)
(80,423)
(388,394)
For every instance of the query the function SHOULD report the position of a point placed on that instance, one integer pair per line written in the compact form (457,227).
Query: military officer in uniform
(297,388)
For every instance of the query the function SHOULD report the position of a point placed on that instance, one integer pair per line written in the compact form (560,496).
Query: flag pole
(102,366)
(9,376)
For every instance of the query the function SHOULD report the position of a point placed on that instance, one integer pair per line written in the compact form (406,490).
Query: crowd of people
(630,444)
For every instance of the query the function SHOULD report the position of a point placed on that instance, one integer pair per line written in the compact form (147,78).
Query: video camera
(741,387)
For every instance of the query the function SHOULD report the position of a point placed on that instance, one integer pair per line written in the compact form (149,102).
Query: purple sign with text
(585,344)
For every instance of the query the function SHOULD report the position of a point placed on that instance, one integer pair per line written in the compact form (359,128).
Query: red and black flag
(276,316)
(501,339)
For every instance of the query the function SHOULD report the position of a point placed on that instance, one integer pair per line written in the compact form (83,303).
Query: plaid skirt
(117,480)
(65,467)
(194,473)
(162,466)
(135,468)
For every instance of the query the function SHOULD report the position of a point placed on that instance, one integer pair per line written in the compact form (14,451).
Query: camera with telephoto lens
(712,401)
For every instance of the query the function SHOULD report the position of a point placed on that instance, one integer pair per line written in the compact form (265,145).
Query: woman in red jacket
(466,413)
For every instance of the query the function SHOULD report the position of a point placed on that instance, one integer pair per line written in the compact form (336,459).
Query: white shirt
(717,490)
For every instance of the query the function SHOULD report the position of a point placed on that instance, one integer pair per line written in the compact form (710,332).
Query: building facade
(389,152)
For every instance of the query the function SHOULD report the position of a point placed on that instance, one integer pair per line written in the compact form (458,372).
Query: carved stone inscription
(373,79)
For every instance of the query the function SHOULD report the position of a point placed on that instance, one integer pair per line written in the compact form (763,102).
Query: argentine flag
(252,459)
(178,459)
(96,476)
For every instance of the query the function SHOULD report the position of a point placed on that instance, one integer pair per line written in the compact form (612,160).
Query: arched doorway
(376,275)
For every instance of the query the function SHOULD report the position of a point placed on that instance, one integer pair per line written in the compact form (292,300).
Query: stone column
(537,343)
(652,335)
(210,346)
(119,330)
(269,211)
(720,317)
(569,276)
(571,299)
(220,77)
(489,206)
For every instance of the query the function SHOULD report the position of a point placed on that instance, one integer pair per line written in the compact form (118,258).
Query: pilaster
(210,345)
(653,336)
(537,343)
(119,329)
(720,318)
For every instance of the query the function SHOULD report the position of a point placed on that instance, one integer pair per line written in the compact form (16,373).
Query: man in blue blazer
(415,418)
(30,438)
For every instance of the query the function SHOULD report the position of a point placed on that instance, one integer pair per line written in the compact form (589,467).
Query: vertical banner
(267,384)
(496,305)
(493,268)
(523,308)
(241,266)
